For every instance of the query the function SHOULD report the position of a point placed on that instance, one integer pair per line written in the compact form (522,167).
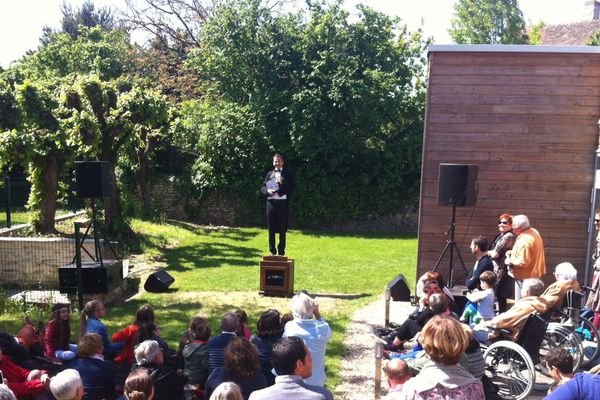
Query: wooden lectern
(277,276)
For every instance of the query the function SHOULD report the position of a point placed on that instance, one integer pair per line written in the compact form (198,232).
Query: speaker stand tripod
(452,248)
(97,231)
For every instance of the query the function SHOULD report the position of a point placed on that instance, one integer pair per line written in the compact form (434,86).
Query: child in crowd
(244,330)
(560,365)
(90,323)
(195,355)
(127,335)
(481,302)
(23,382)
(58,335)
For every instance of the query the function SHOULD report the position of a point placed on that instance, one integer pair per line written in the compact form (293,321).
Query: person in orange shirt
(526,259)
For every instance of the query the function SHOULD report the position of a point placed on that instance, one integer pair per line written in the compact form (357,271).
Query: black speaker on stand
(456,188)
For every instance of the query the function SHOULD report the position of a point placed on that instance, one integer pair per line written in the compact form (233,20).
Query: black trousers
(277,220)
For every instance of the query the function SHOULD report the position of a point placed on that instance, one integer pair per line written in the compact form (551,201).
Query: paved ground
(358,366)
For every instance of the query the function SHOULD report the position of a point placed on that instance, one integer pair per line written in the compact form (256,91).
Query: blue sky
(21,21)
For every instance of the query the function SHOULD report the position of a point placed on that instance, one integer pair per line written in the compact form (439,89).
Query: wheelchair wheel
(588,334)
(510,368)
(569,340)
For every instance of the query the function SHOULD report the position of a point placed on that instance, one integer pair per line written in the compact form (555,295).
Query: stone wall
(35,261)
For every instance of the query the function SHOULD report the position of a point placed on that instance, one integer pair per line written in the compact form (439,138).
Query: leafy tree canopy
(342,99)
(488,22)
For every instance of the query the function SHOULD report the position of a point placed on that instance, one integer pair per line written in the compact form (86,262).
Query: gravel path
(358,366)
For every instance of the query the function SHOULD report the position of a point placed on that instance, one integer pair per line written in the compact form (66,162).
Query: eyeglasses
(503,222)
(596,221)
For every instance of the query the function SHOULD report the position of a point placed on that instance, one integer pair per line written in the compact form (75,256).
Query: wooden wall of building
(529,120)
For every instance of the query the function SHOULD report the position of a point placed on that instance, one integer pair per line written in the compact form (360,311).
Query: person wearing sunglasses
(526,259)
(503,242)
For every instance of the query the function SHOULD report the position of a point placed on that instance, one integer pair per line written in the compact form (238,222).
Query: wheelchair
(513,367)
(570,318)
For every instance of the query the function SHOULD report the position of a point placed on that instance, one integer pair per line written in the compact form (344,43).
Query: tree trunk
(112,204)
(141,173)
(49,170)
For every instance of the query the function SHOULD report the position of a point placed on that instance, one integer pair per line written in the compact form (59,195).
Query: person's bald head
(397,372)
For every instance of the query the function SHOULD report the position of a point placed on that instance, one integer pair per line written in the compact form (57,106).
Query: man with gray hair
(315,333)
(526,259)
(566,279)
(67,385)
(514,319)
(216,345)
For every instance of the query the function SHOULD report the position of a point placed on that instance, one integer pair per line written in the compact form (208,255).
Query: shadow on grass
(358,234)
(210,255)
(225,232)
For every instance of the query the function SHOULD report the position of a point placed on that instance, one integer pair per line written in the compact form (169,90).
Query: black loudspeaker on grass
(91,179)
(158,281)
(456,185)
(399,290)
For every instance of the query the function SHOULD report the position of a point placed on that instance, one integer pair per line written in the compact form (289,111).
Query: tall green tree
(488,22)
(342,99)
(88,15)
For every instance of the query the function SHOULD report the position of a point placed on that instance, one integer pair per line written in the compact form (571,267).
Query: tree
(343,101)
(535,33)
(86,16)
(488,22)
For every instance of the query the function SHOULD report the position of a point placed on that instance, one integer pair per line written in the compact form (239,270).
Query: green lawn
(216,270)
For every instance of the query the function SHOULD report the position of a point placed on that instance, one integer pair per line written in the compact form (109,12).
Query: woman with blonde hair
(227,391)
(138,386)
(90,323)
(445,341)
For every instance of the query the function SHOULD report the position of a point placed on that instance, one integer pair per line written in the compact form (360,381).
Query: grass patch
(216,270)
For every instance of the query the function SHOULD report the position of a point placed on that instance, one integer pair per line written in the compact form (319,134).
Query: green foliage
(594,39)
(488,22)
(343,101)
(535,33)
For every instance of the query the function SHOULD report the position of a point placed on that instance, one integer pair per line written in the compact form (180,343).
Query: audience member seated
(293,364)
(397,373)
(127,335)
(315,333)
(229,326)
(445,341)
(195,353)
(138,386)
(96,374)
(90,323)
(243,330)
(560,365)
(515,317)
(58,335)
(481,302)
(435,278)
(26,348)
(227,391)
(582,386)
(566,279)
(150,331)
(66,385)
(241,366)
(268,332)
(23,382)
(437,305)
(479,246)
(6,393)
(168,383)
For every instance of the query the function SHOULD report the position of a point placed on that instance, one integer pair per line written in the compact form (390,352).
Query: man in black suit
(277,187)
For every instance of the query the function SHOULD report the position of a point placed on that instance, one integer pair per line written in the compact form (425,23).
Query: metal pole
(591,242)
(8,205)
(378,357)
(78,265)
(388,295)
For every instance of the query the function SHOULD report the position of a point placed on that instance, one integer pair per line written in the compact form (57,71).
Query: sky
(21,21)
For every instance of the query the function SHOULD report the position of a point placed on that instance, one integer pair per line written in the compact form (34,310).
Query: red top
(126,335)
(53,340)
(16,379)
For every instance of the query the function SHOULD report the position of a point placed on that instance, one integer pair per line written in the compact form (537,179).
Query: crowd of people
(286,355)
(445,360)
